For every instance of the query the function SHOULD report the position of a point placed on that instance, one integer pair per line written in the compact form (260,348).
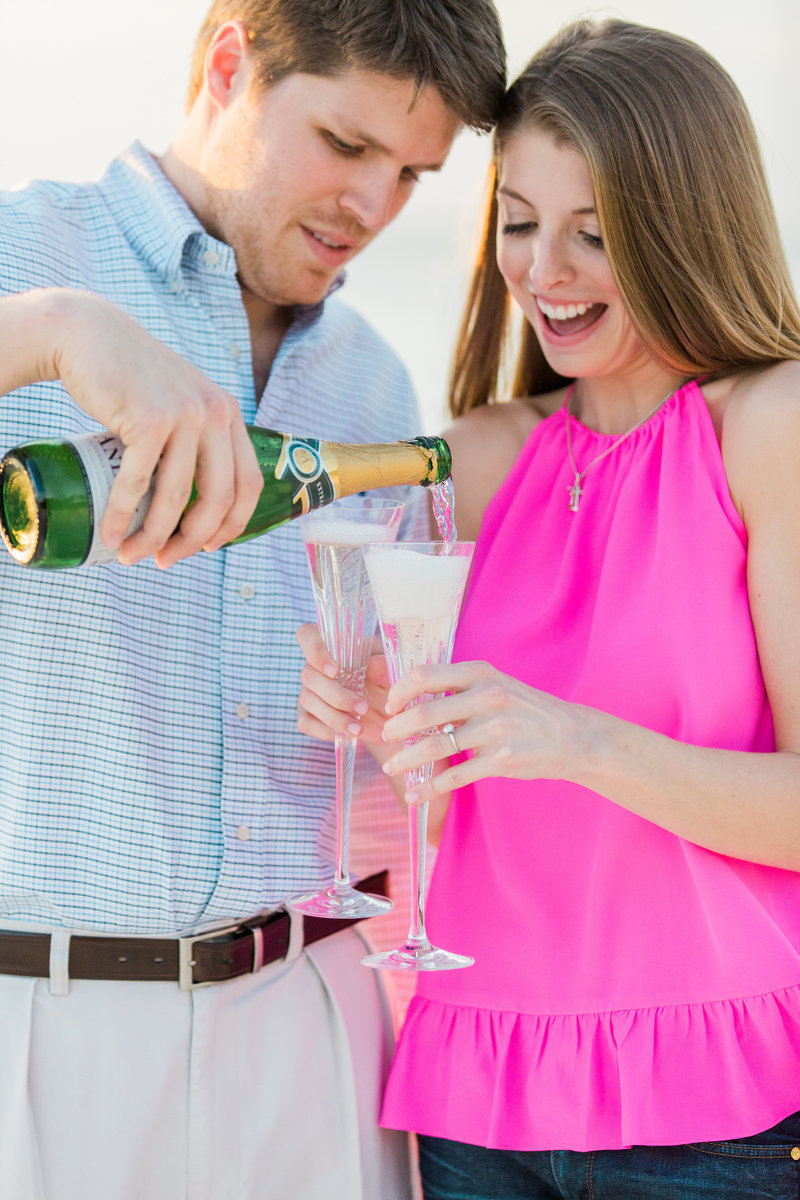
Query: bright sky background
(80,79)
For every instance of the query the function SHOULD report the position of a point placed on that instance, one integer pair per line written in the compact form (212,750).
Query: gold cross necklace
(575,490)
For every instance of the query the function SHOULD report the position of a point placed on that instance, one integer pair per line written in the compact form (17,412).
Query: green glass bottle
(53,492)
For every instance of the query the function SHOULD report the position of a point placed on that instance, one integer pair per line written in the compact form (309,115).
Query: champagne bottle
(53,492)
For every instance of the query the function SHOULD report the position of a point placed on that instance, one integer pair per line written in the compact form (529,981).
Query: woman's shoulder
(769,393)
(486,442)
(757,417)
(509,421)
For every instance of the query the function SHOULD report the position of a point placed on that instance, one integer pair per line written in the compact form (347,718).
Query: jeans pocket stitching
(740,1150)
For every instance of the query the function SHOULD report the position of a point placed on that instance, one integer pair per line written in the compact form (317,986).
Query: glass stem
(345,746)
(417,837)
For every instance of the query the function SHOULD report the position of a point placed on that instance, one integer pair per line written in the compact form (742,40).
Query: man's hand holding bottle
(165,411)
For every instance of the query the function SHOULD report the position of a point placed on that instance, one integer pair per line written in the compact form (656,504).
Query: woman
(622,854)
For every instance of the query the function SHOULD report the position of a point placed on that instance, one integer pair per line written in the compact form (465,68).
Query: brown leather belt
(192,962)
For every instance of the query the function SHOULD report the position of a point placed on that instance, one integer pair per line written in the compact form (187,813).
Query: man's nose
(372,200)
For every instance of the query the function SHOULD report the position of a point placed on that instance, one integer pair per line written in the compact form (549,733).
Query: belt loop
(258,949)
(59,962)
(296,935)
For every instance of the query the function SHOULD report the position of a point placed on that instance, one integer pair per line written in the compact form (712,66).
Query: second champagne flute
(346,617)
(418,587)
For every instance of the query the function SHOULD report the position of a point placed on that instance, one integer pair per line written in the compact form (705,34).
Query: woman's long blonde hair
(682,201)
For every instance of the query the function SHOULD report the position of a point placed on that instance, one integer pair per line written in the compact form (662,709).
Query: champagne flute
(346,619)
(418,587)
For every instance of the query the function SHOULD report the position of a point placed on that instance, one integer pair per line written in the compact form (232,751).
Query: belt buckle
(186,962)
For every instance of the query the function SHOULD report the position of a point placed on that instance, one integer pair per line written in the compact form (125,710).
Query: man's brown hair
(454,46)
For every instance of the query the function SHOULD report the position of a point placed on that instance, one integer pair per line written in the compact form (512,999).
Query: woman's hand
(326,708)
(503,726)
(740,804)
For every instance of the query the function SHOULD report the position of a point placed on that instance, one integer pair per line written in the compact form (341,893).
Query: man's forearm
(29,324)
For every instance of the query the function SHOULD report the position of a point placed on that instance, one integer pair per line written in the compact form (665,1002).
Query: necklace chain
(575,490)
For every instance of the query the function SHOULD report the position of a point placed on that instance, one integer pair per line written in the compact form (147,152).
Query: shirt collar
(151,213)
(162,229)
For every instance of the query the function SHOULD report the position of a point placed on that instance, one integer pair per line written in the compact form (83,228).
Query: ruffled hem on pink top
(597,1081)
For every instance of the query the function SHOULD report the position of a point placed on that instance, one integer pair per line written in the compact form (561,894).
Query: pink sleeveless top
(629,987)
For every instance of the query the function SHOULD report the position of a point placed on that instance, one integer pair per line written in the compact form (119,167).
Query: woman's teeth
(564,312)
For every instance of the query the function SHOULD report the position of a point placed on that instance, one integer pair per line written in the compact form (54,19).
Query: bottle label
(300,460)
(100,455)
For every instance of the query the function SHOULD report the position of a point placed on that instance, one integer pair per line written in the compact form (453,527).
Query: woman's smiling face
(550,252)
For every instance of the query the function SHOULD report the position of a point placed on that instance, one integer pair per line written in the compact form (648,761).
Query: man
(153,783)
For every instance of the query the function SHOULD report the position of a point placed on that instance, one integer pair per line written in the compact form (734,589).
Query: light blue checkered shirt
(152,776)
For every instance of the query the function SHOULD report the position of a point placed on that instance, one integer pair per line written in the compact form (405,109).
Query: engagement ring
(450,730)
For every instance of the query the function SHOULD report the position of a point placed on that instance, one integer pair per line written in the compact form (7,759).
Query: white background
(80,79)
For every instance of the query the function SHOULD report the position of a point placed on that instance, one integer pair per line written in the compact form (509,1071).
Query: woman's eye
(593,240)
(518,229)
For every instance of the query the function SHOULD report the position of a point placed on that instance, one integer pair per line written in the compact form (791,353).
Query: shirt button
(247,591)
(243,833)
(176,286)
(211,257)
(243,710)
(235,349)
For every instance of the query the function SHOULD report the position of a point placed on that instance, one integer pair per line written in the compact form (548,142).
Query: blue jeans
(761,1167)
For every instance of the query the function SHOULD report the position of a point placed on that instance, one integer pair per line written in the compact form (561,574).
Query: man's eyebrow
(591,211)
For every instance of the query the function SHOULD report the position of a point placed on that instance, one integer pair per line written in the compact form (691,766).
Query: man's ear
(227,63)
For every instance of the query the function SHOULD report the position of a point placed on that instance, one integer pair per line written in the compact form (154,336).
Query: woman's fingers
(450,677)
(434,747)
(441,782)
(310,641)
(505,729)
(325,706)
(321,719)
(332,693)
(420,719)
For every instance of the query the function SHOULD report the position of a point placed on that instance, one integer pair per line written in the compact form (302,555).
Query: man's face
(301,176)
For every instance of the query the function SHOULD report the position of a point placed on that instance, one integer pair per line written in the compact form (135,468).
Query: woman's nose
(549,266)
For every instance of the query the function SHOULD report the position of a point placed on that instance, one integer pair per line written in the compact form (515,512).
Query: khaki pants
(263,1088)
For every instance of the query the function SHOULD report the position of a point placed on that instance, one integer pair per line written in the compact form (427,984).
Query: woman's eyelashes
(517,229)
(594,240)
(526,228)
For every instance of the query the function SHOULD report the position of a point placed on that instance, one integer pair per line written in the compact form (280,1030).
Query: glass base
(417,958)
(340,902)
